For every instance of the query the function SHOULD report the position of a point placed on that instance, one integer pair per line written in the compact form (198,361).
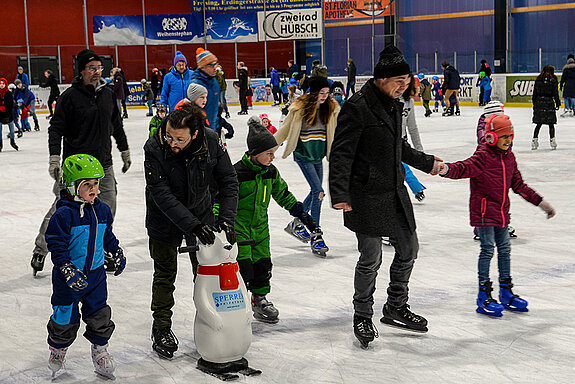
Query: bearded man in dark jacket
(366,180)
(85,118)
(183,159)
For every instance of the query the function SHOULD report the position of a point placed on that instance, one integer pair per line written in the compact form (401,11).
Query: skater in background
(259,182)
(157,119)
(6,112)
(284,90)
(451,80)
(19,131)
(118,87)
(567,85)
(409,124)
(224,125)
(29,100)
(425,92)
(156,79)
(485,85)
(85,118)
(338,95)
(23,114)
(267,123)
(293,93)
(309,128)
(545,102)
(126,93)
(437,94)
(366,181)
(243,87)
(148,96)
(23,77)
(180,161)
(275,84)
(77,276)
(51,83)
(175,82)
(221,78)
(205,75)
(486,69)
(492,171)
(351,74)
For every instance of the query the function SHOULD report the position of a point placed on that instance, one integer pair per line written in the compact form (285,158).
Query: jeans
(223,101)
(150,110)
(569,103)
(10,127)
(350,87)
(313,174)
(107,195)
(370,256)
(412,181)
(32,111)
(490,237)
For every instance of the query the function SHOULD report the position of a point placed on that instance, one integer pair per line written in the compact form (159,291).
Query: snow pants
(412,180)
(256,265)
(65,320)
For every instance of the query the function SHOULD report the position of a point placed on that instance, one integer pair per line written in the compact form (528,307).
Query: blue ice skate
(486,305)
(297,230)
(511,301)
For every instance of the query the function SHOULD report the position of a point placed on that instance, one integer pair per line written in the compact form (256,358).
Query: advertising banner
(173,29)
(290,24)
(251,5)
(520,88)
(232,27)
(118,30)
(352,11)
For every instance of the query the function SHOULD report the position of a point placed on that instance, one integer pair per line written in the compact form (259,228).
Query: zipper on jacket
(483,209)
(504,191)
(265,192)
(95,237)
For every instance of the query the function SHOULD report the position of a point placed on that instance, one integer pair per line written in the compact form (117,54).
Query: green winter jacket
(257,185)
(154,124)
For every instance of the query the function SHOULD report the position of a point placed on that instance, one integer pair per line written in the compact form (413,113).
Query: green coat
(258,185)
(154,124)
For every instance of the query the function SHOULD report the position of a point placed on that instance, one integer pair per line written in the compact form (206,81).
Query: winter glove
(75,278)
(117,261)
(229,230)
(126,159)
(54,169)
(545,206)
(306,219)
(205,233)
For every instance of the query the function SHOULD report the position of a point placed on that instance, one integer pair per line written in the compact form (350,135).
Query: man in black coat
(366,180)
(451,80)
(243,83)
(86,116)
(51,83)
(351,73)
(182,160)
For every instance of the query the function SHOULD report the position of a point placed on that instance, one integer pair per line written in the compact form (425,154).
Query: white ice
(314,342)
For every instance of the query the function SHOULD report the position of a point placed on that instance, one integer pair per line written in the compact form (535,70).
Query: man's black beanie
(391,63)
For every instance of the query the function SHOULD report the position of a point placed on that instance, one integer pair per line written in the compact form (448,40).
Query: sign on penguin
(290,24)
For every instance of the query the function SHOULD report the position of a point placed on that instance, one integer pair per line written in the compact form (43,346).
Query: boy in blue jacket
(79,233)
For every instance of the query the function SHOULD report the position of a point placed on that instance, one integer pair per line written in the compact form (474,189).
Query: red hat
(497,126)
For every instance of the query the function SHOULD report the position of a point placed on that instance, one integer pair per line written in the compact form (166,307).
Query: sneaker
(103,361)
(264,310)
(553,144)
(298,230)
(402,317)
(534,144)
(57,358)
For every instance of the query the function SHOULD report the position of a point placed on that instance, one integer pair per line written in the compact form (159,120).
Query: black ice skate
(37,263)
(403,318)
(420,196)
(264,310)
(227,371)
(457,113)
(164,342)
(364,330)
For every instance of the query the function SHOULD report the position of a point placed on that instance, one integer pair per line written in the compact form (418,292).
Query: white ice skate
(57,359)
(103,361)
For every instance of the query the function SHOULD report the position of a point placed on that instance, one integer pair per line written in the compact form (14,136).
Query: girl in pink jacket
(493,171)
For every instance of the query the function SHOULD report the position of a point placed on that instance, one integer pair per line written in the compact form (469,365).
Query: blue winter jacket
(25,94)
(24,79)
(211,108)
(80,233)
(485,83)
(175,87)
(275,78)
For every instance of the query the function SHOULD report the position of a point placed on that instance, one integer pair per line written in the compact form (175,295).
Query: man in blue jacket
(176,82)
(275,82)
(205,75)
(22,92)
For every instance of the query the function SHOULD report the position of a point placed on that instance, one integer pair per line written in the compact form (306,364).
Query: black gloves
(119,261)
(75,278)
(306,219)
(229,230)
(205,233)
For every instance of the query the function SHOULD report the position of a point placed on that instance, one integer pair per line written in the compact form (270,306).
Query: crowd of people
(193,190)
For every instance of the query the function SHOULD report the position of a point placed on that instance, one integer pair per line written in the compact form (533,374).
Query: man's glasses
(98,68)
(213,65)
(171,140)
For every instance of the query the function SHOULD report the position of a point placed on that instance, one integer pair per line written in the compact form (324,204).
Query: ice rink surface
(314,341)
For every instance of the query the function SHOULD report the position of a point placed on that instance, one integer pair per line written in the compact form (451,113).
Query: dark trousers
(350,88)
(244,100)
(538,128)
(165,258)
(124,106)
(51,100)
(406,246)
(276,93)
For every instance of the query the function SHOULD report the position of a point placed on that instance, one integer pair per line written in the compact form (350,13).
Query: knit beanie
(195,90)
(180,57)
(259,138)
(498,124)
(203,57)
(317,83)
(17,81)
(85,56)
(493,107)
(391,63)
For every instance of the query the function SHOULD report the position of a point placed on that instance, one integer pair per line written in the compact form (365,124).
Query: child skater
(24,113)
(438,94)
(425,92)
(493,171)
(148,96)
(267,123)
(486,85)
(79,233)
(259,182)
(156,121)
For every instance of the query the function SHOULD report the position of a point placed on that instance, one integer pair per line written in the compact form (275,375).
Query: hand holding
(55,170)
(436,166)
(229,230)
(345,206)
(444,169)
(547,208)
(205,233)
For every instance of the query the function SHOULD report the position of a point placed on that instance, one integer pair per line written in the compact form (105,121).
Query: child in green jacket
(157,119)
(259,182)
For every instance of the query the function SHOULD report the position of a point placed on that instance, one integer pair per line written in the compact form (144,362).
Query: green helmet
(481,74)
(80,167)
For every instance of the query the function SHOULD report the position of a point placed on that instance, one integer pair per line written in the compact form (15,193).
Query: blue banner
(251,5)
(237,27)
(174,29)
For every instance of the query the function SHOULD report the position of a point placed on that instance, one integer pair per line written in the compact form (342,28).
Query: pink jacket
(492,172)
